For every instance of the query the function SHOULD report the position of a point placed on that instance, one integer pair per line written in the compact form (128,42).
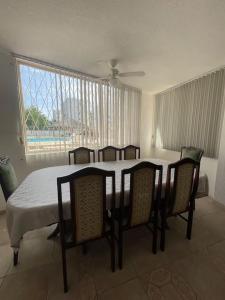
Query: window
(63,110)
(191,114)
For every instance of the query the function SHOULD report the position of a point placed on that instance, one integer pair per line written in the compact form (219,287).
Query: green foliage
(35,119)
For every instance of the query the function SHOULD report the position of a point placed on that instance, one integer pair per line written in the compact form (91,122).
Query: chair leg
(112,242)
(65,283)
(84,249)
(15,257)
(155,232)
(64,270)
(120,248)
(194,204)
(189,226)
(163,233)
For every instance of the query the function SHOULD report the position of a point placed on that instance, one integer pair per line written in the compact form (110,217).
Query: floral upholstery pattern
(88,207)
(183,187)
(142,195)
(82,156)
(130,153)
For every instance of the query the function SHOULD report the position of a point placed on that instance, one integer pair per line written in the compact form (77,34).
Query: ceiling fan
(113,77)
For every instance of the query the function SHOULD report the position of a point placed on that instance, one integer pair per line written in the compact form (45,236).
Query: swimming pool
(45,139)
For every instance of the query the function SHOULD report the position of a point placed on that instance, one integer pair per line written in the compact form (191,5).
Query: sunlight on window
(63,110)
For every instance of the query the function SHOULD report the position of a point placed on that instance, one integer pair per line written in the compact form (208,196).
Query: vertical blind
(191,114)
(63,110)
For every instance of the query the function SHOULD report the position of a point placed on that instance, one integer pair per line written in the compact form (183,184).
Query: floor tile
(166,284)
(160,277)
(131,290)
(207,205)
(201,275)
(203,234)
(2,220)
(98,264)
(169,292)
(4,237)
(154,293)
(1,280)
(106,279)
(25,286)
(6,257)
(214,223)
(33,253)
(186,270)
(217,254)
(141,256)
(182,287)
(81,285)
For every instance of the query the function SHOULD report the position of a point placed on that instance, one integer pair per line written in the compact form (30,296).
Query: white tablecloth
(34,204)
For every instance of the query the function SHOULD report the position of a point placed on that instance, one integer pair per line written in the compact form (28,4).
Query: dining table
(34,204)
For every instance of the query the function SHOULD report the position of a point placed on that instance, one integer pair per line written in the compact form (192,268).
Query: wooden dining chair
(131,152)
(143,202)
(181,188)
(109,153)
(9,183)
(89,217)
(81,155)
(191,152)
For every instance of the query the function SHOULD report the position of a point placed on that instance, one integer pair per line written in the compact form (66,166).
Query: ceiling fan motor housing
(115,72)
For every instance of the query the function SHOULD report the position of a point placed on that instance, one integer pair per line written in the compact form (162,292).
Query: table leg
(15,256)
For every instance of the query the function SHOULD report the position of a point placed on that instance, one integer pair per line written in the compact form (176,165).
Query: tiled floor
(186,270)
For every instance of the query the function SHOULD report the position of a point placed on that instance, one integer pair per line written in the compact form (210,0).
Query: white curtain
(63,110)
(191,114)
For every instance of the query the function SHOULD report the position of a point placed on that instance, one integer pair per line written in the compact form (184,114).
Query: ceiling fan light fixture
(113,79)
(115,82)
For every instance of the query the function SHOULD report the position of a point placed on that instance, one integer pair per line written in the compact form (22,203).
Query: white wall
(220,176)
(208,165)
(9,112)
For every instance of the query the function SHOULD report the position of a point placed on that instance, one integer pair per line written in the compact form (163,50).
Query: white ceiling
(171,40)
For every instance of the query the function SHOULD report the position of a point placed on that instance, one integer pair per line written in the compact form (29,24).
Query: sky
(41,89)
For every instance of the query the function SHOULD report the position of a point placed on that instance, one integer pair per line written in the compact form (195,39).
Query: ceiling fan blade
(130,74)
(104,78)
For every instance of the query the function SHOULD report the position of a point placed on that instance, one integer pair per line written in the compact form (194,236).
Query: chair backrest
(191,152)
(181,185)
(109,153)
(131,152)
(143,197)
(81,155)
(8,179)
(87,202)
